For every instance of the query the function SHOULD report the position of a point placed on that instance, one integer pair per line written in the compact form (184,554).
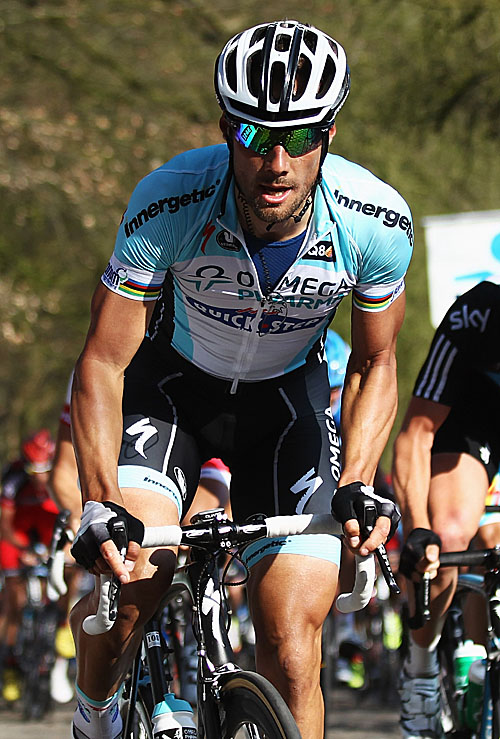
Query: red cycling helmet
(38,451)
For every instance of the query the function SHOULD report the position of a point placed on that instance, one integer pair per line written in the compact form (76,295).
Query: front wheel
(251,708)
(140,725)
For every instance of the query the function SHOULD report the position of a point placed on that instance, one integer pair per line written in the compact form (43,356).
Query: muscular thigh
(465,457)
(159,451)
(456,500)
(278,583)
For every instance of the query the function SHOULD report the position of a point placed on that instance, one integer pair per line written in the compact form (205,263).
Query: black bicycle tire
(447,645)
(495,697)
(246,698)
(142,714)
(38,659)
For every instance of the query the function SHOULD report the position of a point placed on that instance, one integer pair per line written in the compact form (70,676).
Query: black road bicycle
(487,585)
(232,703)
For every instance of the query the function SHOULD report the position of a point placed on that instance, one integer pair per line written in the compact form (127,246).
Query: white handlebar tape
(363,586)
(100,622)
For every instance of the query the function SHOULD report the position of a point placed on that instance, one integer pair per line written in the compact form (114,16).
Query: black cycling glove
(95,530)
(347,503)
(414,549)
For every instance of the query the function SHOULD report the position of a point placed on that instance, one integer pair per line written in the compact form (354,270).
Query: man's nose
(277,160)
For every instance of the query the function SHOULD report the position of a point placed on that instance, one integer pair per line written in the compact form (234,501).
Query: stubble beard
(280,212)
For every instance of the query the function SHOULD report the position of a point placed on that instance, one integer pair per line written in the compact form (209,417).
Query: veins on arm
(369,400)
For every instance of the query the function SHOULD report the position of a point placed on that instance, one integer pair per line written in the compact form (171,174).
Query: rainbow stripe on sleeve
(140,289)
(372,303)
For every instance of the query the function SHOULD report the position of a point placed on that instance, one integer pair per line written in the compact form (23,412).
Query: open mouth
(275,195)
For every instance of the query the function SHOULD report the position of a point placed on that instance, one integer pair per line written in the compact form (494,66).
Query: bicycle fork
(152,647)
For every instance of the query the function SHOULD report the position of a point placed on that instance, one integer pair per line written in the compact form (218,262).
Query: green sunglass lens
(261,140)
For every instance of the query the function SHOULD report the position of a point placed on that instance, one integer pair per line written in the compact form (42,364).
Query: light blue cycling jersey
(180,240)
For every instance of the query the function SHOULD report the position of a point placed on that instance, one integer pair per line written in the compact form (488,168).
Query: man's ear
(224,127)
(331,133)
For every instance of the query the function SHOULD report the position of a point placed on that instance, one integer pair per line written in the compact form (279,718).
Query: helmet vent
(334,46)
(254,70)
(326,78)
(278,73)
(259,34)
(282,42)
(311,41)
(304,69)
(231,71)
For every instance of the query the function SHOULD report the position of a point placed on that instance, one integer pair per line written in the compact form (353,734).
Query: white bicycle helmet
(282,74)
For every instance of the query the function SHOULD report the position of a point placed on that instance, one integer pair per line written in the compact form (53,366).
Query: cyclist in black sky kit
(446,455)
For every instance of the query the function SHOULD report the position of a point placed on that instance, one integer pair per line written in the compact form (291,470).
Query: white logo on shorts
(181,481)
(146,431)
(485,454)
(308,484)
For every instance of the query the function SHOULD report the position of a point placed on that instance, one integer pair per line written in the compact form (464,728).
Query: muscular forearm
(369,405)
(97,427)
(411,478)
(412,460)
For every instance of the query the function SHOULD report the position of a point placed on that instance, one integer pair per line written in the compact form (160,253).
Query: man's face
(275,185)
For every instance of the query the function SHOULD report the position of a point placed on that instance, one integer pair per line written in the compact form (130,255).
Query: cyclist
(246,249)
(27,518)
(445,456)
(337,353)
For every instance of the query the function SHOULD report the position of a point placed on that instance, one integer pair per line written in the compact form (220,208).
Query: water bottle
(173,719)
(475,694)
(465,655)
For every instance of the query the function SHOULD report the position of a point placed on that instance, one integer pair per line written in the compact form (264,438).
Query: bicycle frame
(210,625)
(228,698)
(488,586)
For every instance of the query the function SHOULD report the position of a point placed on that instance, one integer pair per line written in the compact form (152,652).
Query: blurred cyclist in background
(337,355)
(27,519)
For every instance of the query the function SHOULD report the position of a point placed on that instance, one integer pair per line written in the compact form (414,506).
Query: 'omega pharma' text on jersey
(180,240)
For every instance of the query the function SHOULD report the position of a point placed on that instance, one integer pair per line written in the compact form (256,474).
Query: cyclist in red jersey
(27,518)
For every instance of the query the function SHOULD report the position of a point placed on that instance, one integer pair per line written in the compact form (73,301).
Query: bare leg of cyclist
(103,661)
(476,624)
(288,638)
(456,501)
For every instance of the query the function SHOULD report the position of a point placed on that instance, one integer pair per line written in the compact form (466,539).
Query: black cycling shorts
(277,436)
(471,429)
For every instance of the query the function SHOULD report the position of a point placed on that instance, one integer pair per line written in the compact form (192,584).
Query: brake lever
(368,519)
(119,537)
(422,602)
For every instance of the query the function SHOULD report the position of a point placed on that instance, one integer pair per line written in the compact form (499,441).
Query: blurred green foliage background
(95,94)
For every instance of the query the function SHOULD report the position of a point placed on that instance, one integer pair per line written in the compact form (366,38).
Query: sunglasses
(296,141)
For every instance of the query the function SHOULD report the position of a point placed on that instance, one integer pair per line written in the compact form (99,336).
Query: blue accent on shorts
(489,518)
(135,476)
(321,546)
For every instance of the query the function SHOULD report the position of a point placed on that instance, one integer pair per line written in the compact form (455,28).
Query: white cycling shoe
(420,707)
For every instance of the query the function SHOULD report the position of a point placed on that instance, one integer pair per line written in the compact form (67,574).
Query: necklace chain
(251,230)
